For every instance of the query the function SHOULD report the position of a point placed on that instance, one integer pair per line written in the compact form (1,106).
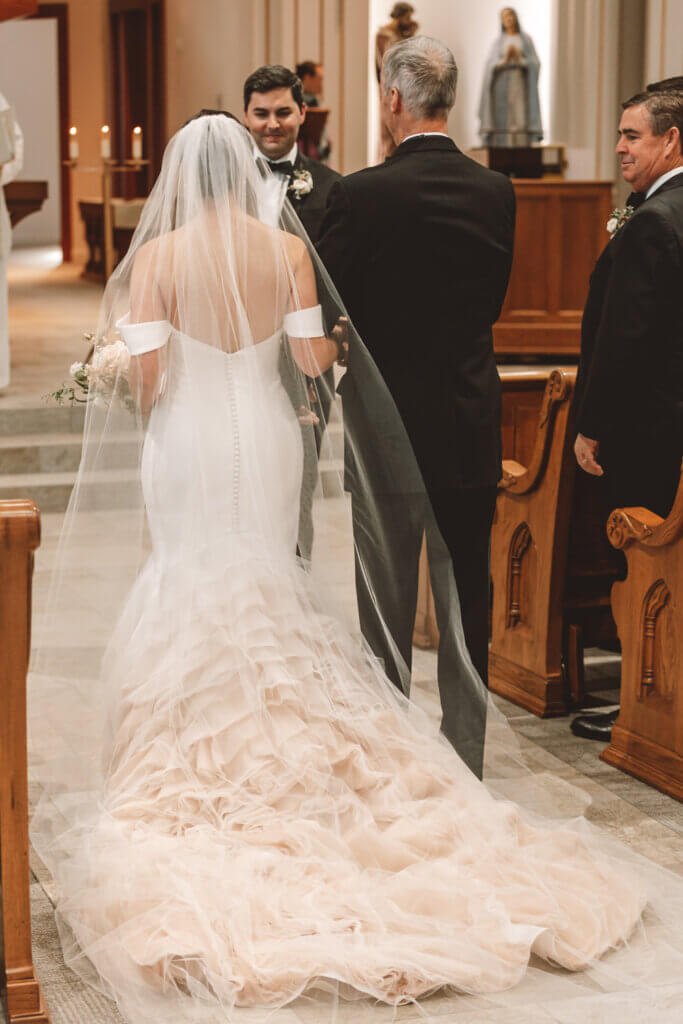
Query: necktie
(636,199)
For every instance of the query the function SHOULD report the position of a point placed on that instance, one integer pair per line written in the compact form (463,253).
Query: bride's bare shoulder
(294,246)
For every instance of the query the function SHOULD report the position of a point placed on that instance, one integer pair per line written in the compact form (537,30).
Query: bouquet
(101,378)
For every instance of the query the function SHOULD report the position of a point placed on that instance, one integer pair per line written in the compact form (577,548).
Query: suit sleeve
(338,247)
(629,341)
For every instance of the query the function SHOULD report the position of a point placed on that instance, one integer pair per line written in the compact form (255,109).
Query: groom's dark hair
(273,76)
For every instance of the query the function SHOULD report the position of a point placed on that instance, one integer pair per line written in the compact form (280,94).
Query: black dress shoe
(595,727)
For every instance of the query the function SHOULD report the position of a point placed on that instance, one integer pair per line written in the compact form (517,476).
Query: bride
(237,806)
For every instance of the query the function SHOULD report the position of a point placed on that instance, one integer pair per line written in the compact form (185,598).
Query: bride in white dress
(238,807)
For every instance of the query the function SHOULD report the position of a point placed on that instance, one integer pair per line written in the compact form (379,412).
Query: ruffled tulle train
(276,816)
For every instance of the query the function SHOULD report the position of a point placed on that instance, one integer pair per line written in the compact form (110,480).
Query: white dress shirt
(661,179)
(416,135)
(277,185)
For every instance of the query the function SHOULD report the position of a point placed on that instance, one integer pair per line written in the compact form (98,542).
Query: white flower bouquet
(102,377)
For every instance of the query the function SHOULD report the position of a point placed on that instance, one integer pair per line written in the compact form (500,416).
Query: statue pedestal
(522,162)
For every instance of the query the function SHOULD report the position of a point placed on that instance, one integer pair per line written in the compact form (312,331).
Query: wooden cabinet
(560,234)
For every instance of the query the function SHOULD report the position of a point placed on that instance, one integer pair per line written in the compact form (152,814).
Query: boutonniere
(618,218)
(301,184)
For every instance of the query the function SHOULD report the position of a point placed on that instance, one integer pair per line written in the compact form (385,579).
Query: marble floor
(50,308)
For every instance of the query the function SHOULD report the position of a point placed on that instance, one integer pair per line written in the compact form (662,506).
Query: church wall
(88,70)
(212,46)
(28,80)
(664,39)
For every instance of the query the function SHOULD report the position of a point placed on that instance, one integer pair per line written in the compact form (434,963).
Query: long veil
(221,761)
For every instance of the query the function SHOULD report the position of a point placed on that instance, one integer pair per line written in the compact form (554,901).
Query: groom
(274,111)
(442,226)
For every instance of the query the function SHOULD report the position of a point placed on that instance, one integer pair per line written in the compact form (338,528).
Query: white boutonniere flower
(618,218)
(301,184)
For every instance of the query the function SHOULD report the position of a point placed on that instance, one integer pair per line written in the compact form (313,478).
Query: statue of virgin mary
(509,110)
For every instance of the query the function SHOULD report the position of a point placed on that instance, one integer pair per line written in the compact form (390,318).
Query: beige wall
(30,86)
(664,39)
(212,45)
(88,69)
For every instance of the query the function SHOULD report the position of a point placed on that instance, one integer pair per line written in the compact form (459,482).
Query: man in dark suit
(274,111)
(630,385)
(420,248)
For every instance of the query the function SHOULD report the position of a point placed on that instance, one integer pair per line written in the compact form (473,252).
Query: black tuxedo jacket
(420,249)
(629,393)
(311,208)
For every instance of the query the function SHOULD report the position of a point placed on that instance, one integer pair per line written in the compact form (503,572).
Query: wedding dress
(263,813)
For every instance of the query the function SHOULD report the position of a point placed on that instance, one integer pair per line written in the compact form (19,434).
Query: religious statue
(401,26)
(509,111)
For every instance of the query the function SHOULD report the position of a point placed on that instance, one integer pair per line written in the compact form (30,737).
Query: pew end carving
(647,738)
(19,537)
(528,556)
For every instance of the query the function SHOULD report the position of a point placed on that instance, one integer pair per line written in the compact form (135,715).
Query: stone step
(119,488)
(50,453)
(109,489)
(19,419)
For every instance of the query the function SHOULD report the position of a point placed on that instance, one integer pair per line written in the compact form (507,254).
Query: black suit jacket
(311,208)
(420,249)
(630,383)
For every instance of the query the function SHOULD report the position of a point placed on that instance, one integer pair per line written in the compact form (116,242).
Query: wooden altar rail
(647,738)
(19,537)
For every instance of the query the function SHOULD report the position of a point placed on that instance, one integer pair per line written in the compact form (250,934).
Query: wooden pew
(647,738)
(19,537)
(551,566)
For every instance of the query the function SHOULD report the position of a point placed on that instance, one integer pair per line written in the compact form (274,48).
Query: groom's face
(274,119)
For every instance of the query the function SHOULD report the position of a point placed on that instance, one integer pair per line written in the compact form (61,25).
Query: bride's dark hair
(213,185)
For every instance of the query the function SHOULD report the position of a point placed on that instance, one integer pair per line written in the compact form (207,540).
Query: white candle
(136,147)
(73,143)
(105,142)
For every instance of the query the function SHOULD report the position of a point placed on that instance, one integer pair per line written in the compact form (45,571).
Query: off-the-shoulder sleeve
(145,337)
(305,323)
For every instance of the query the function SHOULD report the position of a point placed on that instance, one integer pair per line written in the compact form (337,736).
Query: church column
(664,32)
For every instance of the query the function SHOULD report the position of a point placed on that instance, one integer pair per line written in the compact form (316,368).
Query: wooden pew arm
(518,479)
(628,526)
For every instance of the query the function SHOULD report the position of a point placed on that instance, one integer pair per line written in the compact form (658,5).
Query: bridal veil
(199,672)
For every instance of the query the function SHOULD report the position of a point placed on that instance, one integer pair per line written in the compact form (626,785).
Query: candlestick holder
(108,167)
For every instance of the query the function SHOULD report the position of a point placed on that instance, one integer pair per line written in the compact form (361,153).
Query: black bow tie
(635,200)
(285,167)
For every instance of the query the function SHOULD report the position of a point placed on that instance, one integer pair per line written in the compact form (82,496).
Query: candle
(105,142)
(136,147)
(73,143)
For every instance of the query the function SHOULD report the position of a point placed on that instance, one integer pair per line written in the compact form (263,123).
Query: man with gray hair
(420,248)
